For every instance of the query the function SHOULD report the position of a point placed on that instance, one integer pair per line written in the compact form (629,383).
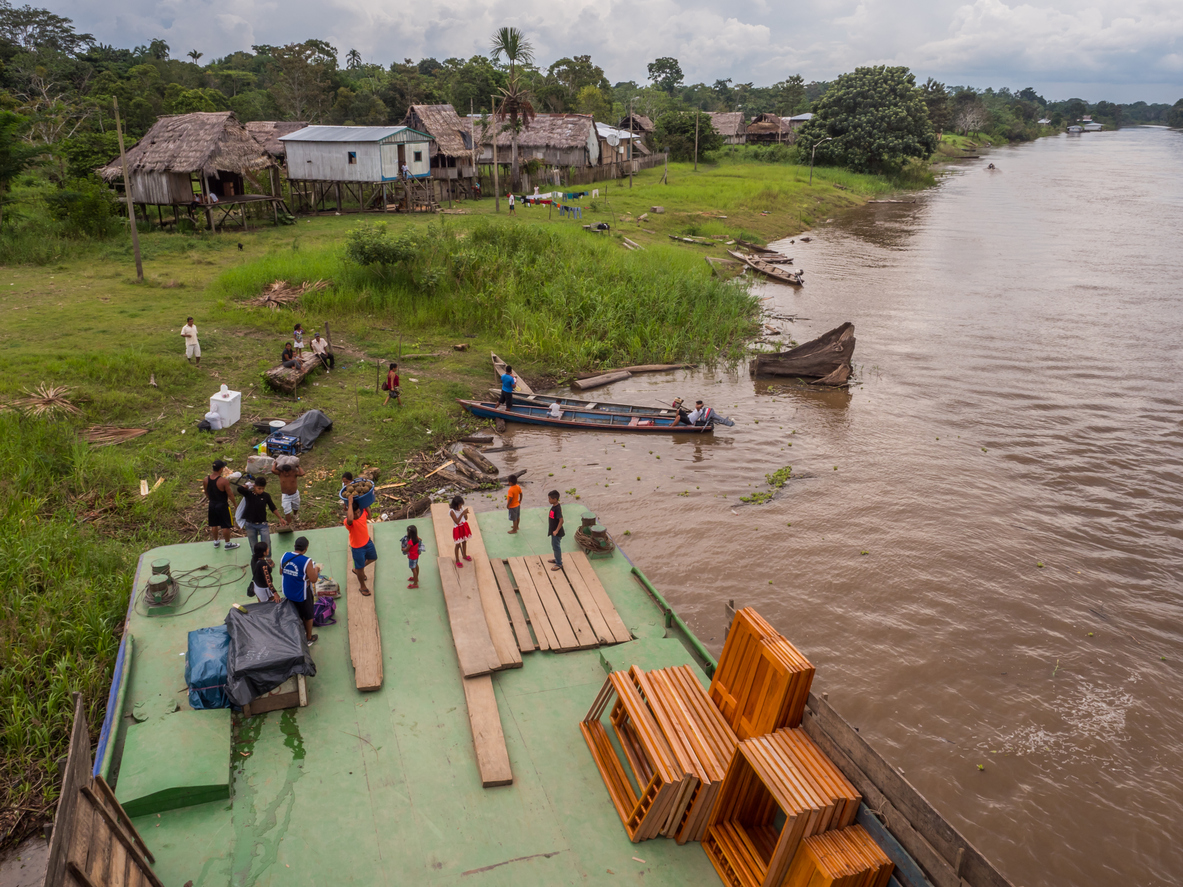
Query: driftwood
(478,439)
(283,378)
(597,381)
(642,368)
(826,359)
(412,509)
(472,455)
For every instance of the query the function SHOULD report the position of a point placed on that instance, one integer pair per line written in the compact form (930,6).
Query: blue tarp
(205,667)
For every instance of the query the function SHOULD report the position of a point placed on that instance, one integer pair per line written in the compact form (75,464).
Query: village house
(769,129)
(377,167)
(451,155)
(639,124)
(730,125)
(555,140)
(199,162)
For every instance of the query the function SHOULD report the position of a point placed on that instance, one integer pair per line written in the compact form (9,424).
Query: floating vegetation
(776,480)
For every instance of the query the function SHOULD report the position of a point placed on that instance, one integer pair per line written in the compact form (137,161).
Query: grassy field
(542,292)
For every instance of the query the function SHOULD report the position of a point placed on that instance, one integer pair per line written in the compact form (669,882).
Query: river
(980,545)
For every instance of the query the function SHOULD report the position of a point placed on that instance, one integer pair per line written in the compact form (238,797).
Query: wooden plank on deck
(470,633)
(488,739)
(495,616)
(550,602)
(587,600)
(539,621)
(509,596)
(619,630)
(575,615)
(365,640)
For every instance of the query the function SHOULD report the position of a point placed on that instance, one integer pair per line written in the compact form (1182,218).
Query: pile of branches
(105,435)
(281,293)
(429,477)
(47,401)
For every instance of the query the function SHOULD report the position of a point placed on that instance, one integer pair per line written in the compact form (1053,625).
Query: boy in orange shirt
(513,499)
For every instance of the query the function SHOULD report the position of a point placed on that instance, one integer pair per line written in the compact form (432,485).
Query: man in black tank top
(220,493)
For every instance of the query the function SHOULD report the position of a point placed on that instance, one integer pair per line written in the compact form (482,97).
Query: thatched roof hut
(555,139)
(730,125)
(640,123)
(267,133)
(211,145)
(770,129)
(451,139)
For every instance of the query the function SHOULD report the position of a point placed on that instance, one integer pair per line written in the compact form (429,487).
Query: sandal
(413,585)
(555,568)
(467,558)
(313,639)
(459,566)
(365,592)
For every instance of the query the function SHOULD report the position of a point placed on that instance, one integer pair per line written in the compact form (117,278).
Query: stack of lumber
(845,858)
(762,681)
(567,609)
(700,739)
(365,640)
(781,774)
(654,768)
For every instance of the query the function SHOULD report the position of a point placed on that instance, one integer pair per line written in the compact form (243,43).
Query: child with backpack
(412,548)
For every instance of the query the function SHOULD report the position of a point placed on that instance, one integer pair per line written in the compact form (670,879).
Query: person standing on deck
(261,574)
(289,490)
(508,381)
(513,499)
(461,531)
(220,494)
(299,578)
(192,346)
(361,546)
(554,529)
(256,502)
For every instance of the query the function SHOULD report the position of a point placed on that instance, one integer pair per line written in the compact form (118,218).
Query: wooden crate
(292,693)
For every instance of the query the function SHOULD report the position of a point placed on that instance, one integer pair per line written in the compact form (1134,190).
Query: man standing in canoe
(507,385)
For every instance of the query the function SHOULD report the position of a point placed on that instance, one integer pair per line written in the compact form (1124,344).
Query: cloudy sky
(1119,50)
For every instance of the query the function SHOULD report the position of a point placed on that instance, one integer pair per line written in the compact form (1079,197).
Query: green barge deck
(383,788)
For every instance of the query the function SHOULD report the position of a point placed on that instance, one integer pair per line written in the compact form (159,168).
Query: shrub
(85,208)
(375,245)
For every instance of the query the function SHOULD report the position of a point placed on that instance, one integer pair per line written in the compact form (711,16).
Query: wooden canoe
(824,361)
(499,371)
(769,270)
(598,406)
(591,420)
(762,251)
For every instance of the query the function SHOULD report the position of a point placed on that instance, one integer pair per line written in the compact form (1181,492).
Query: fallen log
(283,378)
(412,509)
(597,381)
(472,455)
(825,360)
(478,439)
(456,480)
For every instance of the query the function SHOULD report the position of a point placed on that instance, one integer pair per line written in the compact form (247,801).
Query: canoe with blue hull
(583,419)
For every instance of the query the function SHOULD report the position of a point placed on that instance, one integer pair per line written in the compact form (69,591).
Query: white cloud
(1132,48)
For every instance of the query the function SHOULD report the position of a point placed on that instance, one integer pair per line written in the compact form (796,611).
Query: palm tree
(516,103)
(195,55)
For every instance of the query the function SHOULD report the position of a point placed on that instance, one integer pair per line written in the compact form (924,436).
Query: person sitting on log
(288,357)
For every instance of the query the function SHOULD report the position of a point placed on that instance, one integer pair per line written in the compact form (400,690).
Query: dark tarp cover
(307,427)
(266,648)
(205,667)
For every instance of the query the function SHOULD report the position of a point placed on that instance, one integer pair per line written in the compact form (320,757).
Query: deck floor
(382,787)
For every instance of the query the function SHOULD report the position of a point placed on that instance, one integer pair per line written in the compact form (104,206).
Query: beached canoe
(594,420)
(599,406)
(499,371)
(769,270)
(824,361)
(766,253)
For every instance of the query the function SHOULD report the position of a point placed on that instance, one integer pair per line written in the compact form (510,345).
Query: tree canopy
(666,74)
(876,118)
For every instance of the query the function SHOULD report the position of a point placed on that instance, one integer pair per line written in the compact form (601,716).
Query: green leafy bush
(85,208)
(371,245)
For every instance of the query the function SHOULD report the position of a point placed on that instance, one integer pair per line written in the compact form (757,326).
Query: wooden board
(575,615)
(550,601)
(488,739)
(509,597)
(441,524)
(615,624)
(365,640)
(495,615)
(470,633)
(595,618)
(539,621)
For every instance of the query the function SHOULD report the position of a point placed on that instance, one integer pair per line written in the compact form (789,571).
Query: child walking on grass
(412,547)
(461,531)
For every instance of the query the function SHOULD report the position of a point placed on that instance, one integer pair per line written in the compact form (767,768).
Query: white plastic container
(215,420)
(228,405)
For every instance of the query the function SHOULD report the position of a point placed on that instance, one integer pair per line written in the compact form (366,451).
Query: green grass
(547,295)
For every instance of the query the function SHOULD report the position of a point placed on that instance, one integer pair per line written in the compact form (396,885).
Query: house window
(418,156)
(353,157)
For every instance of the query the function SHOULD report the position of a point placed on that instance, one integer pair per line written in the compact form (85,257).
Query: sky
(1115,50)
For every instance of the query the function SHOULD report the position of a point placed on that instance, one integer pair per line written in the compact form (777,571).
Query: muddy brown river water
(980,548)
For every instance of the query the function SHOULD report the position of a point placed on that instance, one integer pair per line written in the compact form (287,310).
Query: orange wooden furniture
(848,857)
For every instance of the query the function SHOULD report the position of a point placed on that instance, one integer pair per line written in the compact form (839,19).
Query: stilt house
(453,162)
(640,125)
(197,162)
(563,140)
(769,129)
(368,163)
(268,133)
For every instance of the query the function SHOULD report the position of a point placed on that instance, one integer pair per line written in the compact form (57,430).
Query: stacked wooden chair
(848,857)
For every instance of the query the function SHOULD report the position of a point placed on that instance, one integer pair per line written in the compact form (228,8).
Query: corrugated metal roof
(806,116)
(603,130)
(347,134)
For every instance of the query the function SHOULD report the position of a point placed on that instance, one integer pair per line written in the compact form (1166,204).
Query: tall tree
(195,55)
(936,100)
(876,119)
(666,74)
(516,102)
(36,29)
(790,96)
(303,83)
(15,154)
(352,60)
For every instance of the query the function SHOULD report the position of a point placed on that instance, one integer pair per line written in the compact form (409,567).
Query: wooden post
(384,209)
(696,140)
(630,141)
(131,207)
(339,195)
(378,374)
(496,180)
(328,336)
